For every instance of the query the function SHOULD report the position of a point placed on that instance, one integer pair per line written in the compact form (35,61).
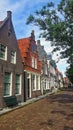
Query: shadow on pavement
(60,98)
(59,111)
(68,128)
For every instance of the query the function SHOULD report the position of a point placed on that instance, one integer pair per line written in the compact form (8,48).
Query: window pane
(35,63)
(18,84)
(2,51)
(32,62)
(13,57)
(33,81)
(6,89)
(7,84)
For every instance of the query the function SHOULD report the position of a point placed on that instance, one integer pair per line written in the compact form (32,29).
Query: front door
(29,86)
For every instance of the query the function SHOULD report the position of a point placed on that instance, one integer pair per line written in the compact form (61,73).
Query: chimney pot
(9,13)
(38,42)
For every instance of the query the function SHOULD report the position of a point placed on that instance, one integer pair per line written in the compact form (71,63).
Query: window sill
(17,94)
(7,96)
(34,90)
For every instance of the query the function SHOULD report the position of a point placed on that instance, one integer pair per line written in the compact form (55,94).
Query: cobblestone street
(54,112)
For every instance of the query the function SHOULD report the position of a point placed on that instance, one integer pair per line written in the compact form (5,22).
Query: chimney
(32,34)
(9,13)
(38,42)
(42,47)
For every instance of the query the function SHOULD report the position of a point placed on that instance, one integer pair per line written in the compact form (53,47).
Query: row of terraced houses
(26,71)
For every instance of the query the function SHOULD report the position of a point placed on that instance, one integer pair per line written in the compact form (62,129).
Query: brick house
(32,66)
(44,71)
(11,67)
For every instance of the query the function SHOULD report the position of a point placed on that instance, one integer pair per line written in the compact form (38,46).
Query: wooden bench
(11,101)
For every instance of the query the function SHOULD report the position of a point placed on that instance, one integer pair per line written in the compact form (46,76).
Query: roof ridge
(3,22)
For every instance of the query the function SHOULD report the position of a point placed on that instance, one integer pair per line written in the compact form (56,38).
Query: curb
(30,101)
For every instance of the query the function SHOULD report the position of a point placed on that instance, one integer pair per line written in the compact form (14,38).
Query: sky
(21,9)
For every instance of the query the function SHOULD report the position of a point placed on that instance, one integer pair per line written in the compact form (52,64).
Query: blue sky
(21,9)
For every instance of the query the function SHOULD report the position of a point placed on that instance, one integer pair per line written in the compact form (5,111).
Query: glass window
(35,63)
(33,82)
(18,84)
(32,62)
(7,84)
(3,52)
(13,57)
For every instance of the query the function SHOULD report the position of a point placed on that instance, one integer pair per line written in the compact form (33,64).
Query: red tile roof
(26,54)
(24,46)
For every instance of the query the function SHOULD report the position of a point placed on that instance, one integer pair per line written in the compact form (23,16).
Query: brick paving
(54,112)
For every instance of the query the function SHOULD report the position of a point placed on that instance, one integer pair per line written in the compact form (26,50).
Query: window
(34,63)
(7,84)
(45,84)
(13,57)
(33,82)
(3,52)
(46,69)
(33,48)
(37,82)
(18,84)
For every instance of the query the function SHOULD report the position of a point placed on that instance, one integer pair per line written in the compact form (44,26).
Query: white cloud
(47,45)
(6,5)
(62,65)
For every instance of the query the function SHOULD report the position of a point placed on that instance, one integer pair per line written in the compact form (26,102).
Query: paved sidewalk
(6,110)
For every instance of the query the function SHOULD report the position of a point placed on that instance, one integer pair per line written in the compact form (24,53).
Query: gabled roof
(41,51)
(1,22)
(4,21)
(24,46)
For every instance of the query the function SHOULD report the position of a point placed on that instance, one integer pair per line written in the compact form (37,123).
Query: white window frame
(32,60)
(20,85)
(10,93)
(5,54)
(37,82)
(35,63)
(14,58)
(34,87)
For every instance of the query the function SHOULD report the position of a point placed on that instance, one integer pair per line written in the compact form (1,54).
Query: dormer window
(13,57)
(3,52)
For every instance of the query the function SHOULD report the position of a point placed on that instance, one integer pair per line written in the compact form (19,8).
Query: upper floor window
(3,52)
(33,48)
(46,69)
(34,63)
(13,57)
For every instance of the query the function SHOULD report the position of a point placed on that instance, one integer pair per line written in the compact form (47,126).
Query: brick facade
(8,38)
(28,50)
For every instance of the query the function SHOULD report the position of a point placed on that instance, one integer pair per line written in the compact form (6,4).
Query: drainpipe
(25,86)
